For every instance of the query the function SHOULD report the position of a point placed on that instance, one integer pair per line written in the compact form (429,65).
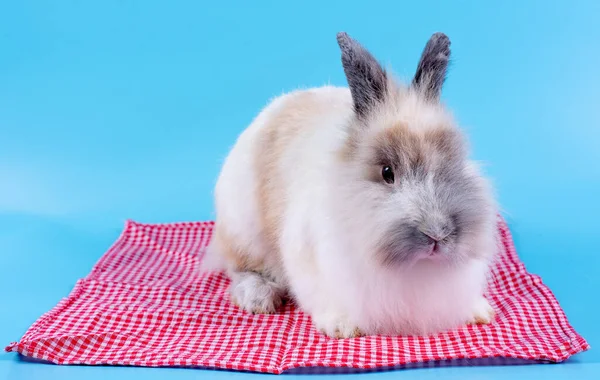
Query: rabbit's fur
(305,208)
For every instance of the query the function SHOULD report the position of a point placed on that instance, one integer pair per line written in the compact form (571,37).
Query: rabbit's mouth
(407,256)
(438,251)
(434,248)
(406,244)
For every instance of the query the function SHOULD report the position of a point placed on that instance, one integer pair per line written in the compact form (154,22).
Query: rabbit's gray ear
(366,78)
(432,67)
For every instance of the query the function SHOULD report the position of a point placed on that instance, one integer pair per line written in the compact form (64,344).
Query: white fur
(254,293)
(328,235)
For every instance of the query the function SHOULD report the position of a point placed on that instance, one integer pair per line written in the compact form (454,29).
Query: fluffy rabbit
(360,204)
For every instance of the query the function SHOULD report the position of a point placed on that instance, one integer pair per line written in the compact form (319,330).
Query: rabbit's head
(413,184)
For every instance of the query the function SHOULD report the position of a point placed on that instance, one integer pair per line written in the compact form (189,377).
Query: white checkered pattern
(145,304)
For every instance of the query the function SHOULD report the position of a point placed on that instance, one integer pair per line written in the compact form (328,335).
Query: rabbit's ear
(366,78)
(432,67)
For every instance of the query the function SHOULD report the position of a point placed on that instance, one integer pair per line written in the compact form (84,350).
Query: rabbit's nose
(436,234)
(432,237)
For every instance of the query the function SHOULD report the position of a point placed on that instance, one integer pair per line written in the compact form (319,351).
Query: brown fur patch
(237,258)
(411,152)
(398,147)
(282,127)
(483,320)
(276,137)
(444,140)
(399,144)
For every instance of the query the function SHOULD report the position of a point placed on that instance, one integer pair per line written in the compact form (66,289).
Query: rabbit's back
(278,152)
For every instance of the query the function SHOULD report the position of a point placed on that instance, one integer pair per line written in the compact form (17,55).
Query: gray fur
(402,241)
(366,78)
(433,65)
(447,203)
(451,211)
(441,201)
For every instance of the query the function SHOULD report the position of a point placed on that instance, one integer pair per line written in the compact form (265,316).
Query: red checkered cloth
(145,304)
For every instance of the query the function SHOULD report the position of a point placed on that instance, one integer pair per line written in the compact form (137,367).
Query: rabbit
(360,204)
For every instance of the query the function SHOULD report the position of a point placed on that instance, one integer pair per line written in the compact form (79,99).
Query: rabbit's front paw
(336,325)
(255,294)
(483,313)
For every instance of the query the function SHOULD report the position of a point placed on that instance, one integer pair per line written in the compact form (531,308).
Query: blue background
(112,110)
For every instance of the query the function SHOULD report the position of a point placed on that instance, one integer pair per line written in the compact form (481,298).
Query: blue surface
(125,109)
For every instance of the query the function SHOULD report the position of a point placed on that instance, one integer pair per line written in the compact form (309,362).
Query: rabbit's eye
(388,174)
